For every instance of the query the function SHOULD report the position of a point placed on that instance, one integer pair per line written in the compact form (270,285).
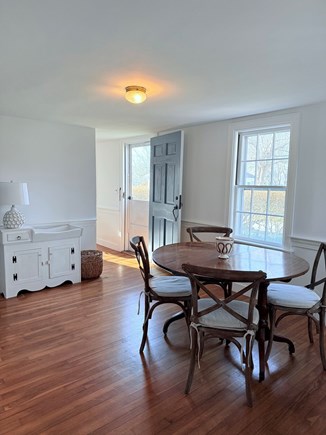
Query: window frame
(259,124)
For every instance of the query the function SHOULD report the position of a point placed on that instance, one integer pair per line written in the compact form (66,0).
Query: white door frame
(123,189)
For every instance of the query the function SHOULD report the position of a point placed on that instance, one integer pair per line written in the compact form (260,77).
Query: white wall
(310,198)
(58,163)
(204,173)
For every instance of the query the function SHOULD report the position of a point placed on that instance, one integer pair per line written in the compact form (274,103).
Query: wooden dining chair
(207,233)
(160,289)
(231,318)
(309,301)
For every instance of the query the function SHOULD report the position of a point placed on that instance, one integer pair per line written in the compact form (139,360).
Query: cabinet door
(26,265)
(61,260)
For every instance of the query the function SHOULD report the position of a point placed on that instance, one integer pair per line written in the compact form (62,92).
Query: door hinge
(72,267)
(14,259)
(15,276)
(72,250)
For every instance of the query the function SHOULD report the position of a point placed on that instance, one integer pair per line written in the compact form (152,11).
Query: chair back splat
(160,290)
(207,231)
(232,318)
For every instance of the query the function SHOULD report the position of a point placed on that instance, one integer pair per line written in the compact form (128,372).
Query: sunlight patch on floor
(118,259)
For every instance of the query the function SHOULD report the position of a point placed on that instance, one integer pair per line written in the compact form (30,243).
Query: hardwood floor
(69,364)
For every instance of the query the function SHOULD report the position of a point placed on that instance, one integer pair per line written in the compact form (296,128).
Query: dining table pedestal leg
(172,319)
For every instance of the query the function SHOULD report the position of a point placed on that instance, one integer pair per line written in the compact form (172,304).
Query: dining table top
(278,265)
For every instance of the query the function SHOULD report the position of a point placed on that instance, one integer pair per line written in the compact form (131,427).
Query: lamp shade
(13,193)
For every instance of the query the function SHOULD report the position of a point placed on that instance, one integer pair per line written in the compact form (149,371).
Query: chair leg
(201,344)
(251,361)
(145,325)
(193,354)
(248,369)
(311,337)
(227,288)
(188,306)
(272,316)
(322,337)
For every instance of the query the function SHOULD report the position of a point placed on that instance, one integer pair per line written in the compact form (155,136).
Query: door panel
(139,219)
(171,184)
(165,189)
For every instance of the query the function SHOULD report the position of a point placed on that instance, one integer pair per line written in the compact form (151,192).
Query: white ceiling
(201,60)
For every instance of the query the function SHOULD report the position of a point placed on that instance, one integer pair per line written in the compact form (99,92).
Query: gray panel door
(165,189)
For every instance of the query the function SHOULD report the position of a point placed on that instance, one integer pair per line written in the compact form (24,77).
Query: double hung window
(261,185)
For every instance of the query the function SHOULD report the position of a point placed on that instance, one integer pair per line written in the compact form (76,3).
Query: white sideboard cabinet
(32,259)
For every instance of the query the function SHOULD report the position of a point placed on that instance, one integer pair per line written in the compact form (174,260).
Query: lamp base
(13,219)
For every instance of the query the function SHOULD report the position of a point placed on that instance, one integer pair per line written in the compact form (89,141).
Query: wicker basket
(91,264)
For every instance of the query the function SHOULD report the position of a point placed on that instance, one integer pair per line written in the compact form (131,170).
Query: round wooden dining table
(278,266)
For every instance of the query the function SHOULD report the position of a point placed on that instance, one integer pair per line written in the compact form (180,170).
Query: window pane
(274,229)
(259,201)
(243,221)
(251,148)
(246,204)
(248,173)
(276,203)
(282,144)
(280,172)
(140,159)
(258,227)
(265,146)
(264,173)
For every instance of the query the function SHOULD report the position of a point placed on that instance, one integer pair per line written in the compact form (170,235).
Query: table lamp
(13,194)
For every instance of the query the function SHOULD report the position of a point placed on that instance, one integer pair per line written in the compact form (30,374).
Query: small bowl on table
(224,246)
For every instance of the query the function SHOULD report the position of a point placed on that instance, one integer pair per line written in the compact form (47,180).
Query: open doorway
(137,182)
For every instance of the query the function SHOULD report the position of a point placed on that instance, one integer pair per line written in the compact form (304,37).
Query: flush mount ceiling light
(135,94)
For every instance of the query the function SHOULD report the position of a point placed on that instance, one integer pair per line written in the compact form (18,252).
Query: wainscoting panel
(108,228)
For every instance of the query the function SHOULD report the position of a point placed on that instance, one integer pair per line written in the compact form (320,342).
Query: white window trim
(260,123)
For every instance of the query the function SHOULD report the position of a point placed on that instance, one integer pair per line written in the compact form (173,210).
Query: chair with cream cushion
(160,289)
(231,318)
(306,301)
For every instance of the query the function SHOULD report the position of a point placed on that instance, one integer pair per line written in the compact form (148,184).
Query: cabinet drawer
(18,236)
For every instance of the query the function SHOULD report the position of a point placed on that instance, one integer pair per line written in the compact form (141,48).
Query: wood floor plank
(69,364)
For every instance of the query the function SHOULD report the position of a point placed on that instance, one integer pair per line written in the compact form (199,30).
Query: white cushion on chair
(221,319)
(292,296)
(174,286)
